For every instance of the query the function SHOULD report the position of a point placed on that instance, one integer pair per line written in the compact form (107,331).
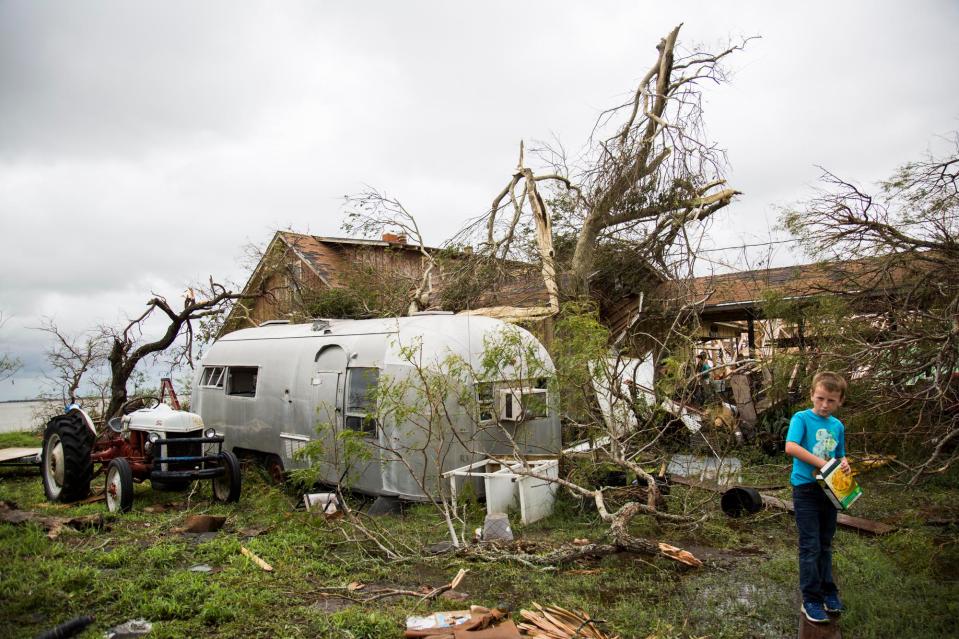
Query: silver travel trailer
(270,390)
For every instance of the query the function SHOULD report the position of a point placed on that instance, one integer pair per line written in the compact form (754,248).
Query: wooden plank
(810,630)
(9,454)
(848,521)
(856,523)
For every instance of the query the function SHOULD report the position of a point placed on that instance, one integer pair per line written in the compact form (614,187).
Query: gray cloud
(143,144)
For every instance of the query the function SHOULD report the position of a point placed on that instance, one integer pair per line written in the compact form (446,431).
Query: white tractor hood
(163,419)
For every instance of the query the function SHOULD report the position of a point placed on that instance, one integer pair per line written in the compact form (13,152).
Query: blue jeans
(816,522)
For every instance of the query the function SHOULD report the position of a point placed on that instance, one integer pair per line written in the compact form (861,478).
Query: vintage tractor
(169,447)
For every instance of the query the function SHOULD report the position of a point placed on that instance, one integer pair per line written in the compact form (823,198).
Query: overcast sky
(143,144)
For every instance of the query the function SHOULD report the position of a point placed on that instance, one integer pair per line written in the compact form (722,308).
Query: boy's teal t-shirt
(822,436)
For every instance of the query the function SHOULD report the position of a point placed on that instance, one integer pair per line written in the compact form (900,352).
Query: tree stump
(810,630)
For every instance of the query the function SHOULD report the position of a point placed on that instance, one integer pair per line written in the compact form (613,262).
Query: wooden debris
(22,455)
(92,499)
(203,523)
(810,630)
(259,562)
(680,555)
(553,622)
(856,523)
(870,463)
(53,525)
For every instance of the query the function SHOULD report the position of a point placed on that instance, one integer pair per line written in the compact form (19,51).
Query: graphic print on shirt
(825,444)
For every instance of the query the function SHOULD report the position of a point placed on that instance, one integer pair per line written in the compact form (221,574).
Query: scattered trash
(496,528)
(738,501)
(259,562)
(201,568)
(322,503)
(553,622)
(68,628)
(130,629)
(438,620)
(54,525)
(724,471)
(203,523)
(475,623)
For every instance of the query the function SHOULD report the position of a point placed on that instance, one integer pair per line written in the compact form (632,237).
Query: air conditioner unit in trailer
(520,404)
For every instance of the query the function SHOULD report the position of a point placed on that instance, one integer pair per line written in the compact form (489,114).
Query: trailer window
(212,377)
(361,399)
(241,381)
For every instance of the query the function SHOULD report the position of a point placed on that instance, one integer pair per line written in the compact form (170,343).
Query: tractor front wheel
(65,461)
(119,486)
(226,487)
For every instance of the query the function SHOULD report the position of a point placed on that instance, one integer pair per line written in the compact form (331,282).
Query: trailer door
(325,417)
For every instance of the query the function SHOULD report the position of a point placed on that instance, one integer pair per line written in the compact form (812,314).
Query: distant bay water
(16,416)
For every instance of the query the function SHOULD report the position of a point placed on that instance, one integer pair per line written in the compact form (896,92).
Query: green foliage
(358,624)
(465,281)
(581,340)
(350,451)
(18,439)
(139,568)
(342,303)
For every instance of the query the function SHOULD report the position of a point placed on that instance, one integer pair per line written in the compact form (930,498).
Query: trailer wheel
(119,487)
(274,469)
(65,461)
(226,487)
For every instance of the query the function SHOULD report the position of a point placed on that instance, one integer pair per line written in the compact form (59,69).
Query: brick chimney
(394,238)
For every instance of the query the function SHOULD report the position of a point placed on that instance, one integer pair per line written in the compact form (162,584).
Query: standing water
(16,416)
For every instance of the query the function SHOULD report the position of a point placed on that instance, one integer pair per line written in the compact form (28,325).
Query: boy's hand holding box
(841,487)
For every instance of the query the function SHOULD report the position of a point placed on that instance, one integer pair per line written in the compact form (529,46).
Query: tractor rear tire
(119,488)
(66,465)
(226,487)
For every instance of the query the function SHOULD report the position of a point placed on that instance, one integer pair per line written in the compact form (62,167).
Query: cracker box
(840,486)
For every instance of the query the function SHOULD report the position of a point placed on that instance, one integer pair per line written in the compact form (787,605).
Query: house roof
(729,295)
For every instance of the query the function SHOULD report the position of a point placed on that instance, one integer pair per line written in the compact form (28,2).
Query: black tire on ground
(274,469)
(65,465)
(226,488)
(173,486)
(119,488)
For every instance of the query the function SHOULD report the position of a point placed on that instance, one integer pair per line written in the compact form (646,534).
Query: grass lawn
(900,585)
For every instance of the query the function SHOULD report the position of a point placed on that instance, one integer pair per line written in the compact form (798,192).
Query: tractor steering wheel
(144,401)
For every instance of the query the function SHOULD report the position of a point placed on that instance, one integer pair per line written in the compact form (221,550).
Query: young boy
(815,437)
